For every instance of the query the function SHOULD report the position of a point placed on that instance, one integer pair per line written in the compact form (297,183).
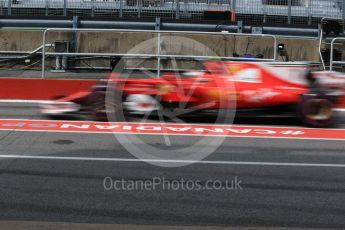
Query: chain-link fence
(254,11)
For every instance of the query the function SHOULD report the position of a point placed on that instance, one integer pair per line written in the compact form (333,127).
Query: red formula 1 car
(247,87)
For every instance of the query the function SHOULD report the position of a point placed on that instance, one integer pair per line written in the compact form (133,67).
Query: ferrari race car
(244,87)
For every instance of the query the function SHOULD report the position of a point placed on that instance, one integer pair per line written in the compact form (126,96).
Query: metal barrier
(283,11)
(158,55)
(323,40)
(331,61)
(22,54)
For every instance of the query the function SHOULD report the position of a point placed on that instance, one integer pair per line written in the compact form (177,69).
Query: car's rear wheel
(316,111)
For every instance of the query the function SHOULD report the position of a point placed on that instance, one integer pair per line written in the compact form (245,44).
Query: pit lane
(295,183)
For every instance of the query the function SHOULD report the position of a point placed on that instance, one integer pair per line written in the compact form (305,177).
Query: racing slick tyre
(315,111)
(115,108)
(99,106)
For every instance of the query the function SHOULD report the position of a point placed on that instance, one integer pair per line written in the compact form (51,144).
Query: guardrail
(23,54)
(331,61)
(157,55)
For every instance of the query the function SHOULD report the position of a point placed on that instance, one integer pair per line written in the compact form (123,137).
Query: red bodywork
(249,84)
(244,86)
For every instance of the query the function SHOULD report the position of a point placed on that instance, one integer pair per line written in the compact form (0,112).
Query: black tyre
(315,111)
(114,109)
(97,106)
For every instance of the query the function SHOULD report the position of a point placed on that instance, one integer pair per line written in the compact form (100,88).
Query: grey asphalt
(66,193)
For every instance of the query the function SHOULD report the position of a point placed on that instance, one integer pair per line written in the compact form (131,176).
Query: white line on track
(248,163)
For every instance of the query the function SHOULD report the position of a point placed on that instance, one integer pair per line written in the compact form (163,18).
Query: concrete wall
(26,40)
(109,42)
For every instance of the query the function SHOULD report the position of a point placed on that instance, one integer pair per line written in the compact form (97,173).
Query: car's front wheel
(141,104)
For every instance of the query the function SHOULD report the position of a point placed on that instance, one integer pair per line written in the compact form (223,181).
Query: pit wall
(41,89)
(115,42)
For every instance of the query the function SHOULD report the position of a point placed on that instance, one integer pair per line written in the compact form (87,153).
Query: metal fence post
(158,55)
(121,8)
(44,53)
(343,10)
(331,55)
(2,9)
(186,7)
(47,7)
(178,9)
(310,12)
(275,48)
(64,7)
(139,3)
(289,11)
(265,12)
(9,7)
(92,8)
(74,34)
